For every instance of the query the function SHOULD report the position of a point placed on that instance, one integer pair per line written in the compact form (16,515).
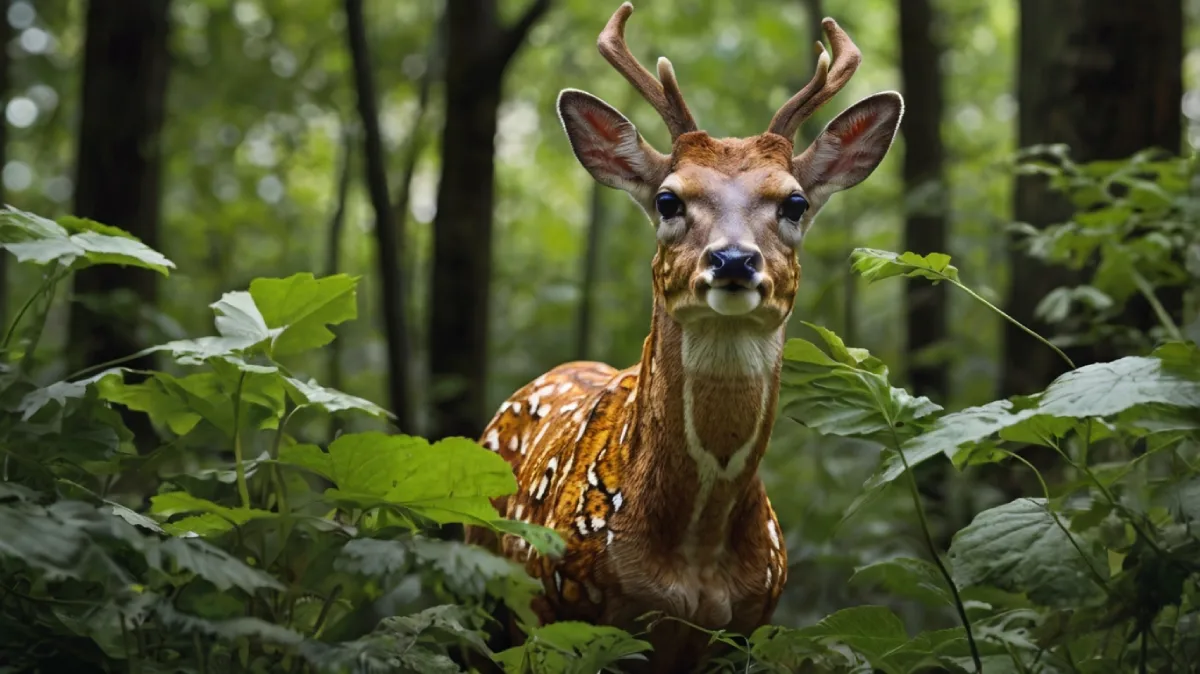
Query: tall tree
(479,49)
(118,166)
(924,188)
(387,236)
(1104,77)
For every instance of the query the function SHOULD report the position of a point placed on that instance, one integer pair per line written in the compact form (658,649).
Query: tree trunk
(118,167)
(1104,77)
(387,239)
(478,51)
(924,188)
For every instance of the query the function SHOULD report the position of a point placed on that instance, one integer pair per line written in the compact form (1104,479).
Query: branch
(514,35)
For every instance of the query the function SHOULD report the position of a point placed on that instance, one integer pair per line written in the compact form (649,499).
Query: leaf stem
(1012,320)
(937,559)
(333,596)
(50,280)
(1160,311)
(243,489)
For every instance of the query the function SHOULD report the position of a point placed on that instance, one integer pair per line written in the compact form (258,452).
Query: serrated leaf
(873,631)
(875,265)
(301,306)
(135,518)
(451,481)
(1020,547)
(907,577)
(66,539)
(310,457)
(212,564)
(572,647)
(231,629)
(201,349)
(543,539)
(59,392)
(238,318)
(330,400)
(403,643)
(180,502)
(1103,389)
(836,398)
(32,238)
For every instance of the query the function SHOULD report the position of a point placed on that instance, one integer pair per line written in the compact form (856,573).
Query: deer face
(729,214)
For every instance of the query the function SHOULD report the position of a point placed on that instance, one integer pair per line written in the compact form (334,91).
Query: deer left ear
(850,147)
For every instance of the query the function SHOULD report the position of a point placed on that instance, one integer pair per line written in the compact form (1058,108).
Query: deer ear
(610,147)
(850,147)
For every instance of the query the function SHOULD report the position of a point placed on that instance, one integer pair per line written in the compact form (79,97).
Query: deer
(650,473)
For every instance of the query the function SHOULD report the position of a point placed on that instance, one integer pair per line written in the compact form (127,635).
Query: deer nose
(734,264)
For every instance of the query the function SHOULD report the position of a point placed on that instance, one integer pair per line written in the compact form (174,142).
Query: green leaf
(852,400)
(231,629)
(59,392)
(907,577)
(543,539)
(238,318)
(1023,547)
(33,238)
(330,400)
(875,265)
(873,631)
(180,502)
(404,643)
(572,647)
(301,307)
(310,457)
(1102,389)
(451,481)
(211,563)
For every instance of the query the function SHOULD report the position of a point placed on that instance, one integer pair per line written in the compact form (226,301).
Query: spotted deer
(650,473)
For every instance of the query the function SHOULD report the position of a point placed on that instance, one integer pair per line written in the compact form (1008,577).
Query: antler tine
(666,97)
(828,79)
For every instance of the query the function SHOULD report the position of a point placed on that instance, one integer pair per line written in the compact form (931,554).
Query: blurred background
(415,144)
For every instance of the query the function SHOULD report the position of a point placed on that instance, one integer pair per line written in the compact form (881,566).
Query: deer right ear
(610,147)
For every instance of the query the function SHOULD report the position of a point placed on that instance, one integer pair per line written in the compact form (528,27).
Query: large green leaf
(211,563)
(450,481)
(1103,389)
(330,400)
(876,265)
(221,518)
(572,647)
(301,307)
(59,392)
(873,631)
(848,396)
(906,577)
(238,318)
(1023,547)
(33,238)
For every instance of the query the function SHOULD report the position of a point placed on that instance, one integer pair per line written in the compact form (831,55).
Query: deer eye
(793,207)
(668,205)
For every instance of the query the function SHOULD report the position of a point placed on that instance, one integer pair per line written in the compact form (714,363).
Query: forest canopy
(271,266)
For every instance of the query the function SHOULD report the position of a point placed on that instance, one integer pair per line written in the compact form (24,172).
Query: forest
(272,267)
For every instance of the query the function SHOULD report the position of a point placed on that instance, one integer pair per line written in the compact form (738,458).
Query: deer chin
(733,300)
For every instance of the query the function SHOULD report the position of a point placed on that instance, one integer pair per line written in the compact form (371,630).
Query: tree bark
(478,50)
(118,166)
(388,254)
(1104,77)
(924,187)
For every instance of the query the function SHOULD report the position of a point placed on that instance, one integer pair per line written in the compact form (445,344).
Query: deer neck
(705,407)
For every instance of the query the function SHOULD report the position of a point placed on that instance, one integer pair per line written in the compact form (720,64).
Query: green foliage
(224,541)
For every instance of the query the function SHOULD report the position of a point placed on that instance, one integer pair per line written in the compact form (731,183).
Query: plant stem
(1012,320)
(1160,311)
(243,489)
(50,280)
(937,559)
(333,596)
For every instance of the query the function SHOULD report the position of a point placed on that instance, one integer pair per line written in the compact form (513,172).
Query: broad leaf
(211,563)
(875,265)
(59,392)
(238,318)
(1023,547)
(1103,389)
(33,238)
(873,631)
(913,578)
(301,307)
(572,648)
(330,400)
(450,481)
(310,457)
(180,502)
(853,400)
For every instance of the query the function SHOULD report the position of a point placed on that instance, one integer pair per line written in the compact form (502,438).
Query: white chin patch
(733,302)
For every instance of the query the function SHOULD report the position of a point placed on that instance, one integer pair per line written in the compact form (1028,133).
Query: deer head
(730,213)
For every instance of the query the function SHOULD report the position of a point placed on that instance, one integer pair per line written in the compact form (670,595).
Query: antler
(826,81)
(666,97)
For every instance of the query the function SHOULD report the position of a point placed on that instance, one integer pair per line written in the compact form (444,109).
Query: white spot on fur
(598,523)
(558,581)
(564,387)
(592,477)
(544,391)
(504,407)
(516,408)
(538,438)
(542,486)
(770,577)
(544,410)
(514,443)
(774,533)
(610,538)
(624,430)
(534,401)
(569,407)
(519,511)
(493,440)
(581,525)
(617,500)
